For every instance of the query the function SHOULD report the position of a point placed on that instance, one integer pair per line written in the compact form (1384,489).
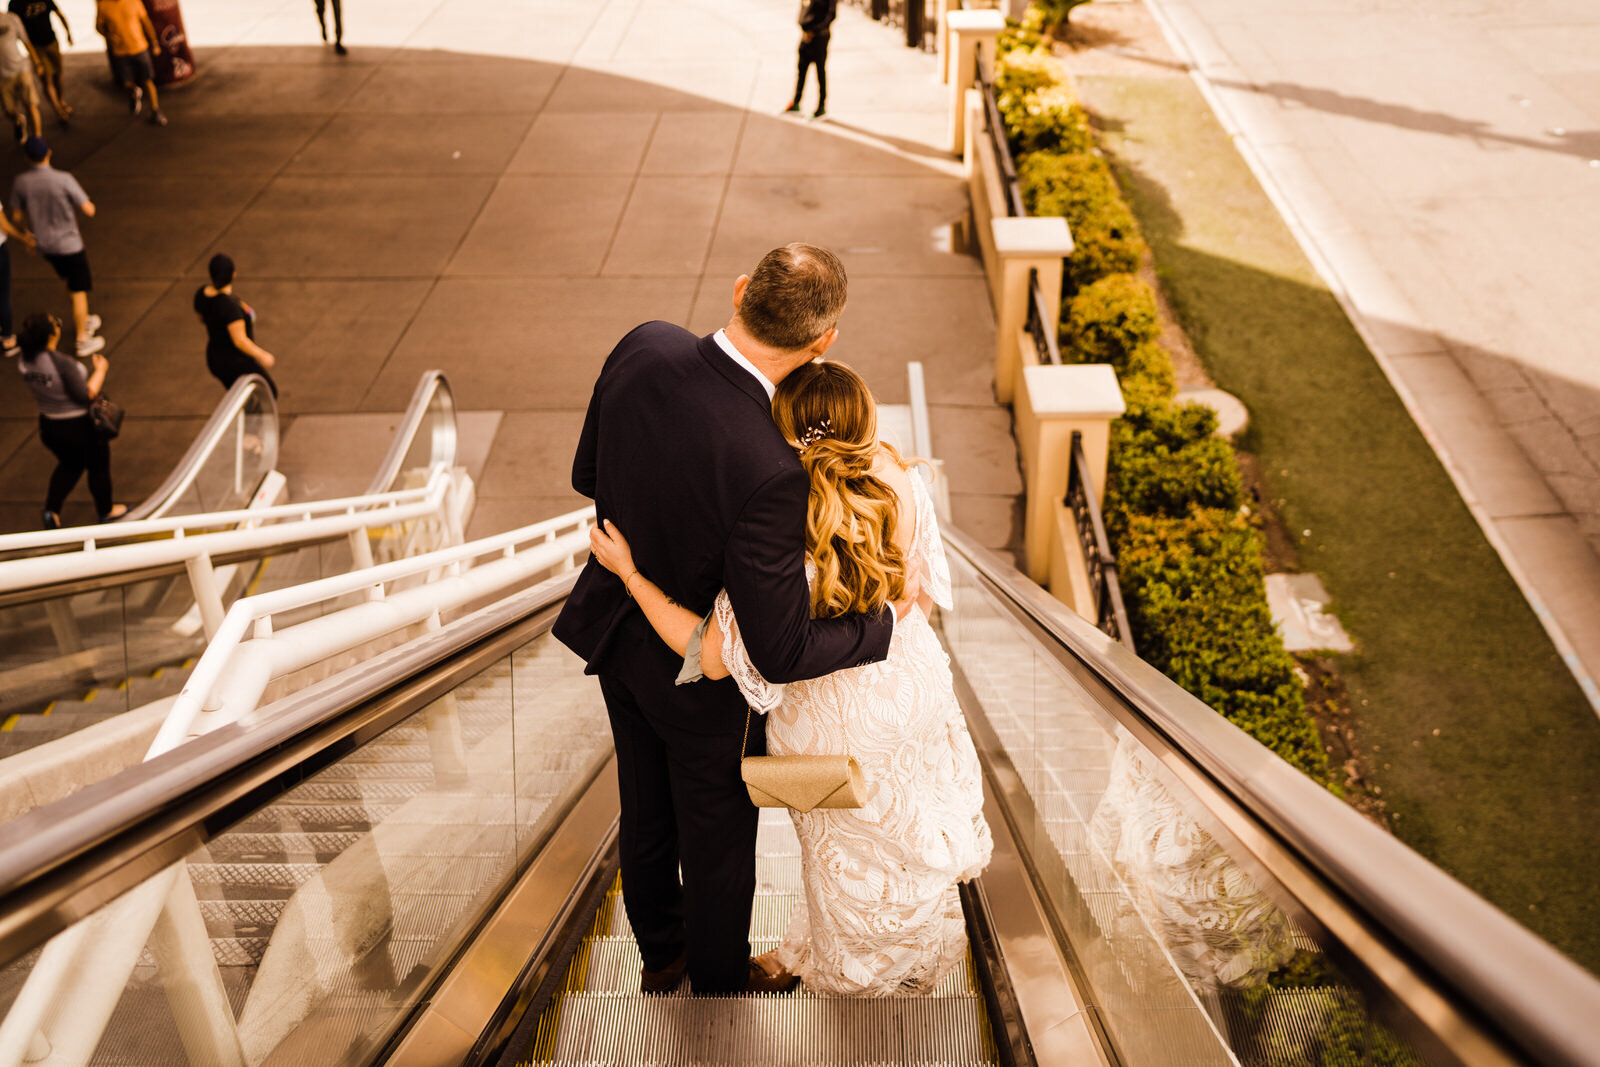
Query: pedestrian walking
(338,24)
(8,233)
(231,349)
(35,16)
(816,27)
(127,29)
(45,203)
(64,391)
(18,95)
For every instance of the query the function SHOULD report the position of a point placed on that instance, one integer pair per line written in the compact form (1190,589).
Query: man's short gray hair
(794,296)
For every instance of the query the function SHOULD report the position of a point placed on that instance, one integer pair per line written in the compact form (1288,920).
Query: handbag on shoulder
(106,415)
(800,782)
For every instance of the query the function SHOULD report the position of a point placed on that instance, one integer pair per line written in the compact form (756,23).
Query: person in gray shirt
(63,392)
(46,202)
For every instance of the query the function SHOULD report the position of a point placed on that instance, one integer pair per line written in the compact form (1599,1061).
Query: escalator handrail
(205,442)
(1541,1001)
(159,542)
(60,861)
(432,383)
(538,546)
(177,481)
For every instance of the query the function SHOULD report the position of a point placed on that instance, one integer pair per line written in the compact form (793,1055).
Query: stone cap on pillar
(976,21)
(1044,235)
(1074,391)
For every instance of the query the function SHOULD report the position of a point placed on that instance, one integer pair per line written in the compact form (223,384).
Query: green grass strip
(1484,747)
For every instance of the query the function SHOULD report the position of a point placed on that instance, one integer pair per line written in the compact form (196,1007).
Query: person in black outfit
(338,24)
(63,392)
(816,27)
(231,349)
(679,448)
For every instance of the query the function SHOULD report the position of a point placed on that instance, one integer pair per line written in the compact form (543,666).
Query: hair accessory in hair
(815,433)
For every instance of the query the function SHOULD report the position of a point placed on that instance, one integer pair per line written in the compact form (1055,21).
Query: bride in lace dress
(880,913)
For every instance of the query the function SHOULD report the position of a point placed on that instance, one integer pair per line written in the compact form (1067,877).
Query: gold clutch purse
(801,782)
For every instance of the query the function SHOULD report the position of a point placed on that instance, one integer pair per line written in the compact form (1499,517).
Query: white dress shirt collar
(721,337)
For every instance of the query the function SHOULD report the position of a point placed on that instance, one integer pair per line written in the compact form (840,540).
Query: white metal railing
(64,1006)
(233,672)
(261,530)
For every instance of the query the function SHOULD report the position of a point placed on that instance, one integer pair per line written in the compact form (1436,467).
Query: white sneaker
(88,346)
(91,325)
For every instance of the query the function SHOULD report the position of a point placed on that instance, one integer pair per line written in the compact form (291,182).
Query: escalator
(412,860)
(97,622)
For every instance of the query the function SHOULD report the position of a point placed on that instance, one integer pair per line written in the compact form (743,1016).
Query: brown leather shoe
(763,981)
(667,979)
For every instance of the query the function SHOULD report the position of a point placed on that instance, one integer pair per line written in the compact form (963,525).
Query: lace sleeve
(928,547)
(763,696)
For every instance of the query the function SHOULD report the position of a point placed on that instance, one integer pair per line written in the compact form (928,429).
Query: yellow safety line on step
(577,976)
(87,697)
(985,1031)
(11,720)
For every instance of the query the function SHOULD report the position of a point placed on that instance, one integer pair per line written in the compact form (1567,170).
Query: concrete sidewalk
(501,191)
(1442,168)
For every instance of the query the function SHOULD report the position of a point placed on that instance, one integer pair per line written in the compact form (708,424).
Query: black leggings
(77,448)
(338,20)
(814,51)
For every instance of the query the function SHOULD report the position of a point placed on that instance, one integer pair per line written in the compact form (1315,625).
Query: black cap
(35,149)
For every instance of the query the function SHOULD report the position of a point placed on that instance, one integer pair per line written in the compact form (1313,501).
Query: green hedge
(1038,106)
(1196,599)
(1166,462)
(1109,319)
(1189,560)
(1080,187)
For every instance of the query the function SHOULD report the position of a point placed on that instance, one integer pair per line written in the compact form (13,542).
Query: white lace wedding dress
(880,914)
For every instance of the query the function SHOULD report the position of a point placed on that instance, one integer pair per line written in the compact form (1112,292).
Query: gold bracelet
(625,587)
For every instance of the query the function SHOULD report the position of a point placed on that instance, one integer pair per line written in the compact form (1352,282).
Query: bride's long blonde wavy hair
(827,412)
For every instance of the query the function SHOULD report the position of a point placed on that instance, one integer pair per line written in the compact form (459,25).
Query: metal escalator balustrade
(365,840)
(1217,906)
(103,620)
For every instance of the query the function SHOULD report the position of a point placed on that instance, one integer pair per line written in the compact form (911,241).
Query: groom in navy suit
(680,451)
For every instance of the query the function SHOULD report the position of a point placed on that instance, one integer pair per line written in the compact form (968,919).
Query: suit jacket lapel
(713,354)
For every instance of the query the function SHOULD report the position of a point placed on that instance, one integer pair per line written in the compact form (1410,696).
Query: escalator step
(315,818)
(761,1030)
(602,1018)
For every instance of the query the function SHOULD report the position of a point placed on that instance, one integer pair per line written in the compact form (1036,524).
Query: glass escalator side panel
(227,476)
(1183,941)
(326,914)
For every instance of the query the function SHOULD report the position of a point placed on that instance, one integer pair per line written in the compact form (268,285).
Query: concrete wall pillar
(1024,245)
(1051,403)
(966,30)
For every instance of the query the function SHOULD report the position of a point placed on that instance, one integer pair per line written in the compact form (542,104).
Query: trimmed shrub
(1147,377)
(1056,12)
(1166,461)
(1038,105)
(1028,32)
(1079,187)
(1109,319)
(1196,597)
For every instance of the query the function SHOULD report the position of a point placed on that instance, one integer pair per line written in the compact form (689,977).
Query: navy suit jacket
(680,451)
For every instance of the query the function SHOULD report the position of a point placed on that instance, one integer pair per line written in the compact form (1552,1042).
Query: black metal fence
(918,18)
(1111,614)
